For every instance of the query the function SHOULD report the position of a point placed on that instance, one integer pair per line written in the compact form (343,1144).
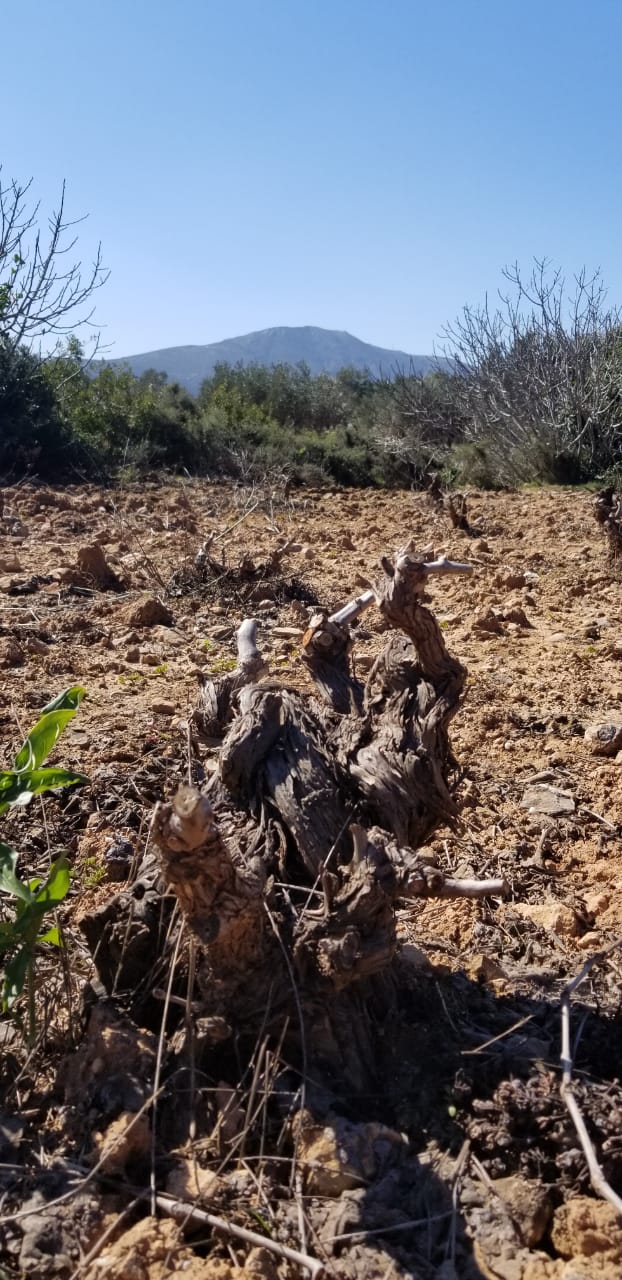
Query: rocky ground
(465,1162)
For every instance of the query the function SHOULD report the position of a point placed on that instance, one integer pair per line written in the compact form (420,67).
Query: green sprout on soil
(93,873)
(220,665)
(33,899)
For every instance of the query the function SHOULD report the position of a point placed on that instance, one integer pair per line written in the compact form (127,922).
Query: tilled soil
(465,1161)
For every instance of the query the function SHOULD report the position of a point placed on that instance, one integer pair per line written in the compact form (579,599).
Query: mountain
(323,350)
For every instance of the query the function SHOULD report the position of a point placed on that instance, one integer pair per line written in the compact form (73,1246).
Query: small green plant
(33,899)
(92,873)
(161,670)
(220,665)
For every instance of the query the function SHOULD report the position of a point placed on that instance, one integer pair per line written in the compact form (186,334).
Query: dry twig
(597,1177)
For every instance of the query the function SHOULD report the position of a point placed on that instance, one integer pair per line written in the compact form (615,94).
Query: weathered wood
(220,894)
(217,697)
(288,874)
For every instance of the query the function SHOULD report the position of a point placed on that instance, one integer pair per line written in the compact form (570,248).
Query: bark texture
(288,872)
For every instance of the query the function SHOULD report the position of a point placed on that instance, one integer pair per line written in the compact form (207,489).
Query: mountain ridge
(323,350)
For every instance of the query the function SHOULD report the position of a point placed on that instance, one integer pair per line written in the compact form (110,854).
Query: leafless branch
(40,293)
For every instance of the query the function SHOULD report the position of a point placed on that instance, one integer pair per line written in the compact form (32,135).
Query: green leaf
(9,881)
(53,935)
(45,733)
(68,701)
(56,887)
(22,786)
(15,977)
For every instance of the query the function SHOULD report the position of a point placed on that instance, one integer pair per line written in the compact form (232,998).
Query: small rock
(288,633)
(591,941)
(163,708)
(517,614)
(545,799)
(220,632)
(133,654)
(150,659)
(489,624)
(596,903)
(606,738)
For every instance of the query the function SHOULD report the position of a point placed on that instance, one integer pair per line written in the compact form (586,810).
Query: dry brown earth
(99,588)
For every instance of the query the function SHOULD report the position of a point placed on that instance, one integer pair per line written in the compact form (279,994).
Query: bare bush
(42,291)
(538,378)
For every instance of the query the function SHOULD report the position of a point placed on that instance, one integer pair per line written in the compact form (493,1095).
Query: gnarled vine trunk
(289,871)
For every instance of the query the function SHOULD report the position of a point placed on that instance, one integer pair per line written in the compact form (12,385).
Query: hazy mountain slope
(323,350)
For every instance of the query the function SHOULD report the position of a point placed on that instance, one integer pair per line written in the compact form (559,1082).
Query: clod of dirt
(93,564)
(590,1233)
(550,800)
(188,1181)
(510,579)
(149,612)
(549,915)
(529,1205)
(340,1155)
(488,624)
(606,738)
(153,1250)
(112,1068)
(11,654)
(125,1139)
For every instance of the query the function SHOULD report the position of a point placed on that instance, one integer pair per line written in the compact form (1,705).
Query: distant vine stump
(608,513)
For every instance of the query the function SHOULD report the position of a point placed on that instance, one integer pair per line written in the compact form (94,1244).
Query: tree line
(529,389)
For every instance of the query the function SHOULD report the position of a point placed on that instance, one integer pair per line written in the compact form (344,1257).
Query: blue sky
(356,164)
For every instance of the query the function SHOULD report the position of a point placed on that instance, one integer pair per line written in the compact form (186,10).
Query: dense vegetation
(531,391)
(532,410)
